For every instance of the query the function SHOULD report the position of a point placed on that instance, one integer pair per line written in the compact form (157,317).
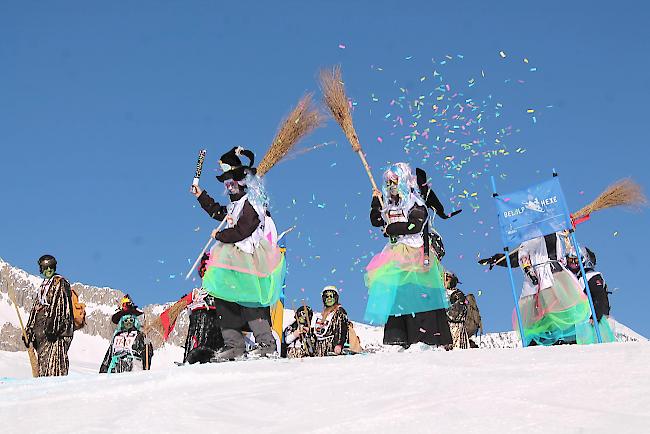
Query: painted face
(303,318)
(573,264)
(232,186)
(329,298)
(391,184)
(48,272)
(128,322)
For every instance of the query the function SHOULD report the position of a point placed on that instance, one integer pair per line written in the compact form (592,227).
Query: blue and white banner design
(534,212)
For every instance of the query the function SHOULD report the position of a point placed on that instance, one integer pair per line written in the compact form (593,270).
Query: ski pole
(223,222)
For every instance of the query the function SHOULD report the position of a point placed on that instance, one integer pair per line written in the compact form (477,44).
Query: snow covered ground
(598,388)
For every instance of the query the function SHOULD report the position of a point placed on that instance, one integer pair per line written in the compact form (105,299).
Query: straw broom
(301,122)
(624,192)
(336,100)
(30,350)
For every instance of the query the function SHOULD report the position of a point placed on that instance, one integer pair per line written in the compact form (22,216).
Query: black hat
(46,261)
(126,307)
(232,166)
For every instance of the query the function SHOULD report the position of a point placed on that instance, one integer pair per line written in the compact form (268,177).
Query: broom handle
(372,179)
(503,257)
(30,349)
(223,222)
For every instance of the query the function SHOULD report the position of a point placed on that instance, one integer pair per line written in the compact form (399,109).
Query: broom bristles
(302,120)
(624,192)
(173,312)
(331,84)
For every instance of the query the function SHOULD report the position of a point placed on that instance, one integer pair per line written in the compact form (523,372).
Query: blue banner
(534,212)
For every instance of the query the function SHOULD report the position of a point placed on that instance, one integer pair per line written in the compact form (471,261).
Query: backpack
(78,311)
(473,321)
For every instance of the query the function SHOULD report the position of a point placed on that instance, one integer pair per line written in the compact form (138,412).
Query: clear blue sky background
(104,105)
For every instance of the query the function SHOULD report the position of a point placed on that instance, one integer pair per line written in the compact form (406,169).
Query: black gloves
(491,261)
(26,341)
(51,337)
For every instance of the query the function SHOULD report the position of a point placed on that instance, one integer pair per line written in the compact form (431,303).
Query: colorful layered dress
(246,266)
(552,302)
(405,295)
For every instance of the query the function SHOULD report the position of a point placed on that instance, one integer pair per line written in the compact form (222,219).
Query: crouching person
(130,350)
(331,327)
(299,336)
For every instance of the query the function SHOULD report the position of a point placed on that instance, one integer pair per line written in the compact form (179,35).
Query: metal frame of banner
(512,279)
(584,276)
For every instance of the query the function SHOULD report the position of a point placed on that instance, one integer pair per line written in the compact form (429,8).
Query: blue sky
(104,107)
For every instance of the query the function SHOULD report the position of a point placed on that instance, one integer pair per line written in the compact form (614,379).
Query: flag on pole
(534,212)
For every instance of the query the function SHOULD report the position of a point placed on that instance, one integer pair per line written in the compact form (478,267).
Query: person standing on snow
(130,350)
(246,268)
(50,325)
(552,302)
(457,312)
(599,294)
(405,294)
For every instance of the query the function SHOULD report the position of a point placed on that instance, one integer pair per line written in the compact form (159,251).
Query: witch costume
(405,294)
(246,267)
(552,302)
(130,350)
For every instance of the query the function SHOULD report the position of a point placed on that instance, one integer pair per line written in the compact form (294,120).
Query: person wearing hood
(130,350)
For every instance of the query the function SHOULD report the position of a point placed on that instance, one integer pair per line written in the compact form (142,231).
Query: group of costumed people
(410,294)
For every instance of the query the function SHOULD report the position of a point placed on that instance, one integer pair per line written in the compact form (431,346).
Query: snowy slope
(595,389)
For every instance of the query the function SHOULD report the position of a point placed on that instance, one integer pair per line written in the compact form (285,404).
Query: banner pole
(512,279)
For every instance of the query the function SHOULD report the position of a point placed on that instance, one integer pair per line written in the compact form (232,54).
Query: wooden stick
(33,361)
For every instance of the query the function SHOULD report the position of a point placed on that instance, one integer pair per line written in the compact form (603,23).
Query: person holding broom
(405,295)
(245,268)
(552,302)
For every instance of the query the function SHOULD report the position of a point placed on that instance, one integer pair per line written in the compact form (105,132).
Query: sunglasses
(329,294)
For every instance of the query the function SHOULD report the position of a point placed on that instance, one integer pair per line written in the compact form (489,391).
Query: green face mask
(48,272)
(128,322)
(329,298)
